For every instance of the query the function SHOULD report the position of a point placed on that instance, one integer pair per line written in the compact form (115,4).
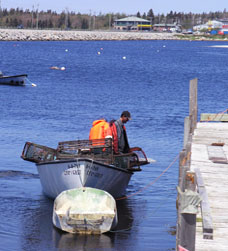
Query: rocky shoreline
(73,35)
(55,35)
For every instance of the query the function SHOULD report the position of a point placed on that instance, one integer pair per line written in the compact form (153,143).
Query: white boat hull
(85,211)
(58,176)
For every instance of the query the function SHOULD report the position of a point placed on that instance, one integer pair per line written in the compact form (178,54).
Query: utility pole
(66,18)
(0,9)
(94,21)
(37,17)
(32,15)
(109,21)
(90,20)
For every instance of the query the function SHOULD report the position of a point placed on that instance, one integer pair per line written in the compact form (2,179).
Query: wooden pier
(202,199)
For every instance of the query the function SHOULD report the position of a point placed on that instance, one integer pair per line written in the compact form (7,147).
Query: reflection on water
(17,174)
(67,241)
(125,217)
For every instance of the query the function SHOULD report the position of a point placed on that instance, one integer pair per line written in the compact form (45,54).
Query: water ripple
(18,174)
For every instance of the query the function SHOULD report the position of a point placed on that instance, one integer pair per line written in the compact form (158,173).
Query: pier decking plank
(215,179)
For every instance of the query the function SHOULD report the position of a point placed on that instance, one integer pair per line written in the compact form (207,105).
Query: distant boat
(16,80)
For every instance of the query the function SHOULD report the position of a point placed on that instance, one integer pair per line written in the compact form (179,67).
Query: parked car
(20,26)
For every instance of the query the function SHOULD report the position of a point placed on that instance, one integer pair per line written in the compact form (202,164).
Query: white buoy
(85,210)
(124,57)
(98,52)
(63,68)
(66,50)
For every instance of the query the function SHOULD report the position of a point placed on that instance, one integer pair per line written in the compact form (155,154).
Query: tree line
(31,19)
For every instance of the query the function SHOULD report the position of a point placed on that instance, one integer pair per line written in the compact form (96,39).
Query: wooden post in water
(193,107)
(186,222)
(186,131)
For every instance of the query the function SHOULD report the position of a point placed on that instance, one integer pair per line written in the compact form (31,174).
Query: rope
(121,230)
(153,212)
(90,168)
(79,168)
(152,182)
(219,113)
(32,84)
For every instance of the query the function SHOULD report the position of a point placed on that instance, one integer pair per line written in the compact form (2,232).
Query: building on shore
(167,27)
(224,29)
(132,24)
(214,27)
(212,24)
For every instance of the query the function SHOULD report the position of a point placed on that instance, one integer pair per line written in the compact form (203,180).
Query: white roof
(133,19)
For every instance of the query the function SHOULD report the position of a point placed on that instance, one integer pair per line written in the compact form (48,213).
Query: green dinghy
(85,211)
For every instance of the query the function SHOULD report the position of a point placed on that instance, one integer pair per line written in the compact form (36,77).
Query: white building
(214,24)
(132,23)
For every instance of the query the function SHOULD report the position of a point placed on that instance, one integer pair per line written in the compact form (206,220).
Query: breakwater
(57,35)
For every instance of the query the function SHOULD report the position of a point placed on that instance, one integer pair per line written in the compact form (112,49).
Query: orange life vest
(102,129)
(99,129)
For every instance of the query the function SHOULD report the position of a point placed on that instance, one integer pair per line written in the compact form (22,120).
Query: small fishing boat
(85,211)
(16,80)
(84,163)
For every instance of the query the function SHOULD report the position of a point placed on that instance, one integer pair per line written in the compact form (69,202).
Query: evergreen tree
(15,22)
(150,16)
(85,24)
(61,21)
(50,24)
(28,24)
(16,16)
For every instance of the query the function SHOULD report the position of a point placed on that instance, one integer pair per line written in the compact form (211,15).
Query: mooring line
(153,212)
(219,113)
(32,84)
(152,182)
(87,171)
(80,169)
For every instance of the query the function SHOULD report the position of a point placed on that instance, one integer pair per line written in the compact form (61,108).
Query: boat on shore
(84,163)
(16,80)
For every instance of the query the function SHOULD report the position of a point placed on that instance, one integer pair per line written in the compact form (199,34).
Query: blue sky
(122,6)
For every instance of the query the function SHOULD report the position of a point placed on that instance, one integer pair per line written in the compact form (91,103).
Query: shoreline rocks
(74,35)
(57,35)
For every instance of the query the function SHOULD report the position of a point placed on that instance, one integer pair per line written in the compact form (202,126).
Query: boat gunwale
(85,159)
(15,76)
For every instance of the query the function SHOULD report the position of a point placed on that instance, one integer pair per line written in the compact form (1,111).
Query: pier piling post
(193,107)
(186,222)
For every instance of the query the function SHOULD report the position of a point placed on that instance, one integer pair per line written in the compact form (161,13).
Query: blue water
(152,82)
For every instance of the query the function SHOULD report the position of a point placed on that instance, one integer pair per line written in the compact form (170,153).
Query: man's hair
(126,114)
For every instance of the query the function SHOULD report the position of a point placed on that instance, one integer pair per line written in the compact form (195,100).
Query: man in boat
(115,129)
(123,145)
